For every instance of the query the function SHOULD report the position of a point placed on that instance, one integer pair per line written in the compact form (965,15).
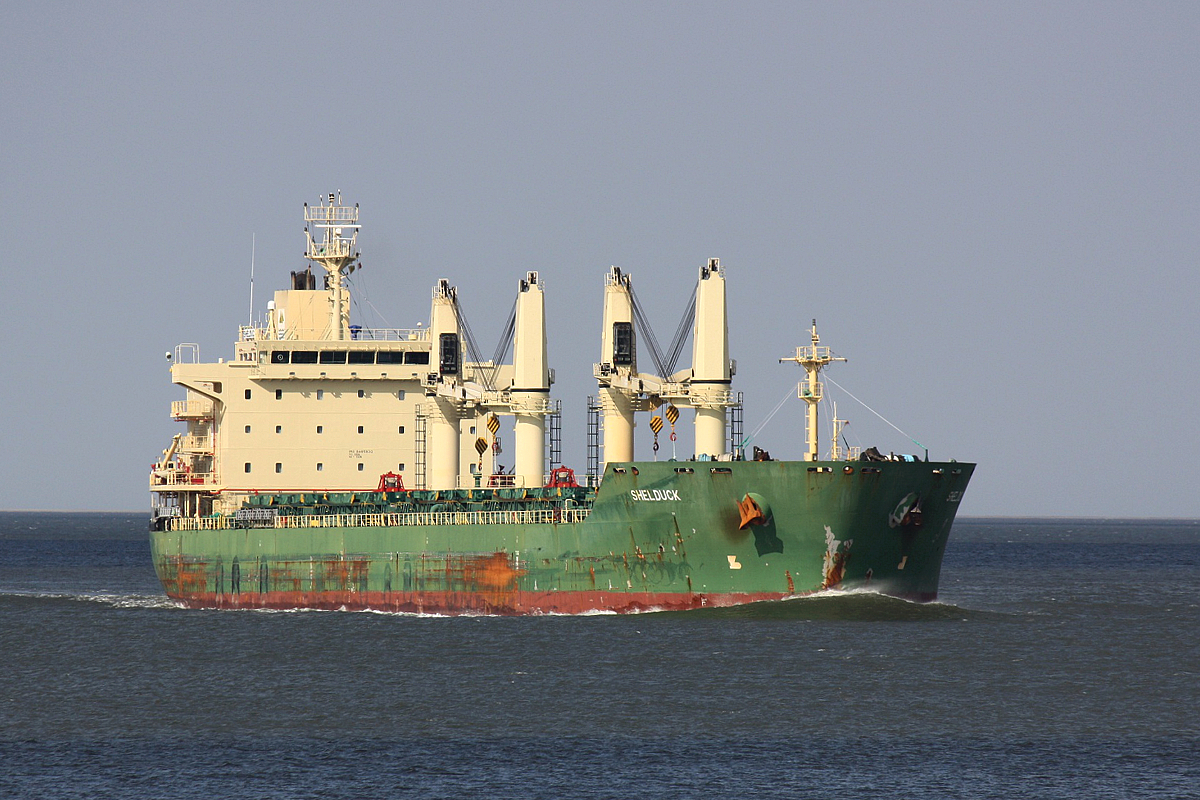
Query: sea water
(1061,661)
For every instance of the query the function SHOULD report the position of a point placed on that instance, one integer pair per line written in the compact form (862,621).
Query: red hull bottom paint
(511,604)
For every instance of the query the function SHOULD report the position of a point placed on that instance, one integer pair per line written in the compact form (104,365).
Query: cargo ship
(328,465)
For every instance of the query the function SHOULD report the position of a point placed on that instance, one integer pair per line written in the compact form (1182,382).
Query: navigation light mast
(335,253)
(813,358)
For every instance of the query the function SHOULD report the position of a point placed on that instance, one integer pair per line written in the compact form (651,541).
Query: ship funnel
(618,359)
(711,370)
(531,382)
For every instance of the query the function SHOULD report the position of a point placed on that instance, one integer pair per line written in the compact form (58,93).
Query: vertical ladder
(422,428)
(554,436)
(734,426)
(593,440)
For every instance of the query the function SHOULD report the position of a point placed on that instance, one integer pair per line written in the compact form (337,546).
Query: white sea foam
(103,598)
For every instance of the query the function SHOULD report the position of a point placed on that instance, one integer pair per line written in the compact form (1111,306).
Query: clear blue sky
(990,208)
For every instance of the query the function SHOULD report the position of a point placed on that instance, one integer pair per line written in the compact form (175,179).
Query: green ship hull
(654,536)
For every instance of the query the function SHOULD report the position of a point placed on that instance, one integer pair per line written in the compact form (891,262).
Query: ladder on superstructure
(734,426)
(554,435)
(593,441)
(421,434)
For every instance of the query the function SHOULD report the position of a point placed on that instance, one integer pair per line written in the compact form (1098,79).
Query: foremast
(813,358)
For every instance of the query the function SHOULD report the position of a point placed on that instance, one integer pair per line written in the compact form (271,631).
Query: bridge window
(361,357)
(333,356)
(304,356)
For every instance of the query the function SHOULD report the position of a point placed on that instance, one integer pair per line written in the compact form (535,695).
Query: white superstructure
(310,403)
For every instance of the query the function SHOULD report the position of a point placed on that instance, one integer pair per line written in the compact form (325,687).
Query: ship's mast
(335,254)
(835,449)
(813,358)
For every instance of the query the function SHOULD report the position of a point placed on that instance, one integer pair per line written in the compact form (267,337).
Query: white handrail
(541,516)
(249,333)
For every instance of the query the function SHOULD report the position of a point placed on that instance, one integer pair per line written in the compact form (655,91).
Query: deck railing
(191,409)
(196,444)
(251,333)
(160,478)
(415,519)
